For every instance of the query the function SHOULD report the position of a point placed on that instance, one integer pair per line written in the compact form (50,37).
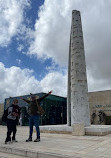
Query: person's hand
(50,92)
(14,114)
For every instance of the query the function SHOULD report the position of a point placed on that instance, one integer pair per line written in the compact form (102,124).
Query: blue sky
(10,55)
(34,45)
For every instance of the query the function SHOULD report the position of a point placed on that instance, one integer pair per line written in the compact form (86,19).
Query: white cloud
(51,40)
(16,82)
(20,47)
(52,33)
(56,82)
(18,61)
(11,17)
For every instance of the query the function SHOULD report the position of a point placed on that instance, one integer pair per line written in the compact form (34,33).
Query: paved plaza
(55,146)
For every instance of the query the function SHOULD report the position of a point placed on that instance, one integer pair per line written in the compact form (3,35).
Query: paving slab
(56,145)
(7,155)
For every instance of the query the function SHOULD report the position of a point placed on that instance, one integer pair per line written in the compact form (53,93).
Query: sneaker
(29,140)
(37,140)
(7,142)
(14,141)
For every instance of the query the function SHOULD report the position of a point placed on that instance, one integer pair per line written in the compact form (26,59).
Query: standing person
(34,115)
(13,114)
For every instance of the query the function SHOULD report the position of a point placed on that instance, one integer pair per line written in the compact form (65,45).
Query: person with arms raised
(35,112)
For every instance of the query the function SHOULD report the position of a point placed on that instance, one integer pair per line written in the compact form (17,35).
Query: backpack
(4,116)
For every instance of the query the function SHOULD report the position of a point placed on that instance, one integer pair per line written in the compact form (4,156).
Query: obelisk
(77,98)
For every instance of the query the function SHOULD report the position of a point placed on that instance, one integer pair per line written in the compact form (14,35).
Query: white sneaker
(9,142)
(14,141)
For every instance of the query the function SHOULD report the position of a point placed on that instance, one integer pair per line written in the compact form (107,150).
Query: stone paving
(7,155)
(55,146)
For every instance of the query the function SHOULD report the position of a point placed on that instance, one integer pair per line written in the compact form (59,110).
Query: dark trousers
(11,127)
(34,121)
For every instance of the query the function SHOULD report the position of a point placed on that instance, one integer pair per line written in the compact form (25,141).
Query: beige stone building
(100,107)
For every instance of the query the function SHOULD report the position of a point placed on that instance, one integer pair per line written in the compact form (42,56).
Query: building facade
(100,107)
(54,107)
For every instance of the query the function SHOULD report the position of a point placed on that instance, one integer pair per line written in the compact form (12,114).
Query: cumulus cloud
(56,82)
(51,40)
(52,33)
(16,82)
(11,17)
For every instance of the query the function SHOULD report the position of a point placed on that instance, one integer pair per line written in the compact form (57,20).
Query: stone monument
(77,98)
(78,118)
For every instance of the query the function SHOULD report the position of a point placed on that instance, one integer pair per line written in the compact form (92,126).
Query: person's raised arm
(40,99)
(26,100)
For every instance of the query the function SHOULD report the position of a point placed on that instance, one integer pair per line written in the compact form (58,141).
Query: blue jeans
(34,121)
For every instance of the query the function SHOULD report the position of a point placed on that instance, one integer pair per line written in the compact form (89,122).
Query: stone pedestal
(78,129)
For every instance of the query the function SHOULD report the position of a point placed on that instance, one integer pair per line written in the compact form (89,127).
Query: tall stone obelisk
(77,98)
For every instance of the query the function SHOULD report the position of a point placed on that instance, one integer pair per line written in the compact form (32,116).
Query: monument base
(93,130)
(59,129)
(98,130)
(78,129)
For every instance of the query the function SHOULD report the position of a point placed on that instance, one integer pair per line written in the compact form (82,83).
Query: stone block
(19,152)
(5,150)
(31,154)
(78,129)
(51,155)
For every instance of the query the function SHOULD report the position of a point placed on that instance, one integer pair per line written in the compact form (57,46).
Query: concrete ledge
(20,152)
(5,150)
(93,130)
(12,150)
(98,130)
(56,132)
(58,129)
(97,133)
(31,154)
(52,155)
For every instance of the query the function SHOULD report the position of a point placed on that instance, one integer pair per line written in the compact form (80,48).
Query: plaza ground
(55,145)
